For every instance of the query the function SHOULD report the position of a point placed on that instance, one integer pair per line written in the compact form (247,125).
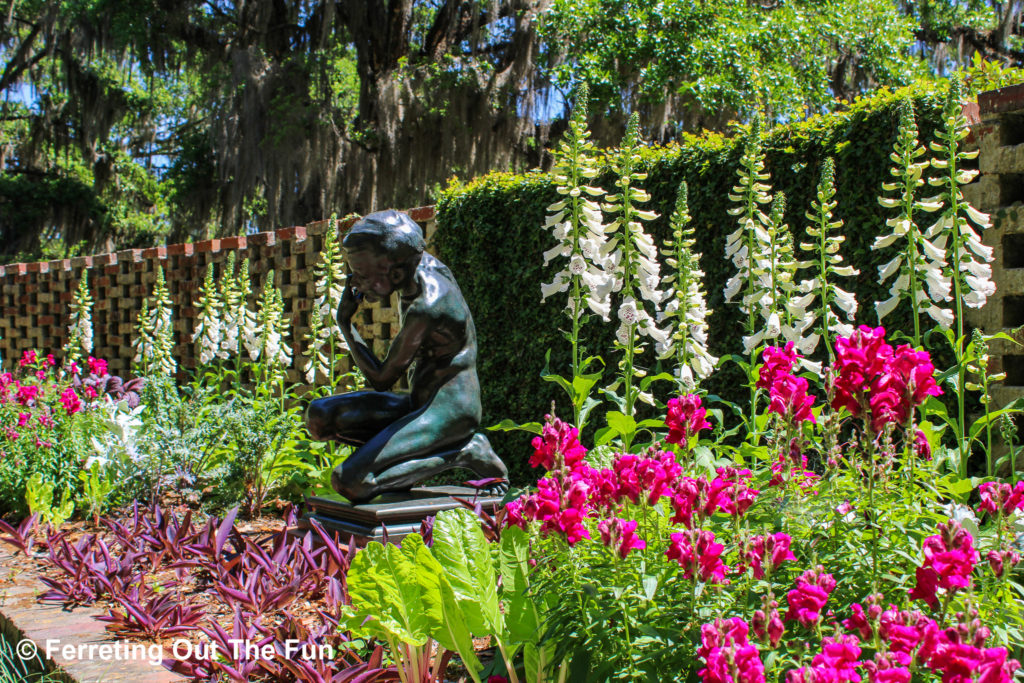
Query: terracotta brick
(236,242)
(262,239)
(211,246)
(180,249)
(154,253)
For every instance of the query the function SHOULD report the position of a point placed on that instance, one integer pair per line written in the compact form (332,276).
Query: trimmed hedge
(490,234)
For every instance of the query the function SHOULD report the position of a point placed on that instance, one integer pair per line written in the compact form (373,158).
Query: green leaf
(390,592)
(603,436)
(462,551)
(452,632)
(522,621)
(620,422)
(508,425)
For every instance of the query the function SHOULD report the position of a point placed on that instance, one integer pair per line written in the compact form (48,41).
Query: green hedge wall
(490,234)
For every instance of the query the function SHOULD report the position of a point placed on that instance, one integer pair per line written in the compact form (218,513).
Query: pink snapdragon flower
(621,534)
(651,476)
(698,554)
(28,358)
(27,393)
(730,492)
(788,398)
(97,366)
(922,449)
(685,418)
(23,419)
(838,660)
(778,362)
(729,656)
(949,559)
(558,444)
(878,384)
(69,399)
(768,627)
(809,597)
(766,553)
(1001,497)
(1002,560)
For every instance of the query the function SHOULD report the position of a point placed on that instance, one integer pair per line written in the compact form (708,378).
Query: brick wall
(35,297)
(999,190)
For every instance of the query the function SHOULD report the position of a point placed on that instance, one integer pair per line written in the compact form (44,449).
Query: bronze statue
(404,438)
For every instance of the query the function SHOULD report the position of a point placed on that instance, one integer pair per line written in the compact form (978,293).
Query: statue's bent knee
(317,421)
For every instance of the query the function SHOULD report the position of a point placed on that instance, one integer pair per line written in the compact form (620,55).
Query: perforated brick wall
(999,190)
(35,297)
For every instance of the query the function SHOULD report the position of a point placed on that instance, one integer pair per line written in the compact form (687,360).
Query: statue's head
(383,251)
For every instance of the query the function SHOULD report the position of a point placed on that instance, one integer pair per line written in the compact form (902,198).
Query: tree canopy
(131,123)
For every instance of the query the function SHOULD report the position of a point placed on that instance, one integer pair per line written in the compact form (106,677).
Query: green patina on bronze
(403,438)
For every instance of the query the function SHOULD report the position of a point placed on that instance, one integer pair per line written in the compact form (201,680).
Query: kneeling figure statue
(403,438)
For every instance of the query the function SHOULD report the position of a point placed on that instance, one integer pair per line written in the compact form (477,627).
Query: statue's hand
(347,307)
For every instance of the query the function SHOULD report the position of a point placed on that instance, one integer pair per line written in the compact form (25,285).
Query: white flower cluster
(774,287)
(632,251)
(828,263)
(968,258)
(325,339)
(272,330)
(577,224)
(208,331)
(749,245)
(154,345)
(686,307)
(920,267)
(80,341)
(238,322)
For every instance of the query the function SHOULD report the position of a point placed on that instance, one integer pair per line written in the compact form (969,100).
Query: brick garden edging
(22,616)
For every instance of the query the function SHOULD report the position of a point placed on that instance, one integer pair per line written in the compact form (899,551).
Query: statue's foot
(478,456)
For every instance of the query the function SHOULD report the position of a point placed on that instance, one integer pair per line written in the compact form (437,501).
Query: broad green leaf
(387,591)
(463,553)
(620,422)
(521,617)
(603,435)
(453,633)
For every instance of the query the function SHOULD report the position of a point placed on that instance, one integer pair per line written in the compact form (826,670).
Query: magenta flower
(23,419)
(558,445)
(686,417)
(765,553)
(878,384)
(922,449)
(806,601)
(839,659)
(949,559)
(730,493)
(698,555)
(655,475)
(1001,560)
(1001,497)
(26,393)
(778,362)
(788,398)
(28,358)
(69,399)
(729,656)
(97,366)
(620,534)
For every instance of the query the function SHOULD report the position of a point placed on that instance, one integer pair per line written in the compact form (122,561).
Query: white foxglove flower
(80,339)
(154,343)
(208,332)
(919,267)
(324,342)
(827,264)
(576,224)
(967,257)
(686,310)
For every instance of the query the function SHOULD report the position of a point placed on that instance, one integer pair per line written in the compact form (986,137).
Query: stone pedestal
(401,513)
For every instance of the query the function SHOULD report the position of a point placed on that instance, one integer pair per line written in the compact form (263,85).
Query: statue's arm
(383,375)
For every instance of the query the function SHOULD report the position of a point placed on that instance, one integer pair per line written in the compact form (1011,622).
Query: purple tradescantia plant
(151,615)
(21,537)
